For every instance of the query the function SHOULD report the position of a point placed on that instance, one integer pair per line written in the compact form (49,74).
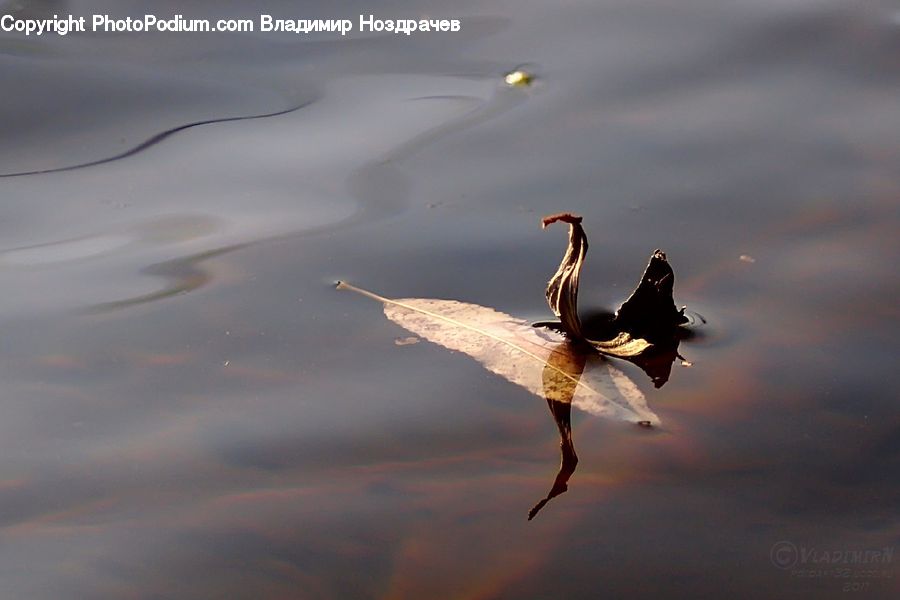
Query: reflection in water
(656,362)
(563,372)
(559,390)
(561,376)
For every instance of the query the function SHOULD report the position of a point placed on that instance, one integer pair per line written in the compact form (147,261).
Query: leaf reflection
(559,390)
(561,376)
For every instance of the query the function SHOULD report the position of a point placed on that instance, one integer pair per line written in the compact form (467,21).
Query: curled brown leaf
(646,318)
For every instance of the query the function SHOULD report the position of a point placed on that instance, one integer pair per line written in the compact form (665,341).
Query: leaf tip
(565,217)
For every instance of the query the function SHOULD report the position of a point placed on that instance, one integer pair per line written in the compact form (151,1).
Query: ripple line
(155,140)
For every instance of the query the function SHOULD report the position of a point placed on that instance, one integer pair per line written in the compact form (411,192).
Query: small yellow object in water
(518,78)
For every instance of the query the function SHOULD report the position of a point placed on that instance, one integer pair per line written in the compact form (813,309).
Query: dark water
(188,409)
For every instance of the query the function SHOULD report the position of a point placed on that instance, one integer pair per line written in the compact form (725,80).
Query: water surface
(188,409)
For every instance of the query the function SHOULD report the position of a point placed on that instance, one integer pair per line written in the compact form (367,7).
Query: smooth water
(189,409)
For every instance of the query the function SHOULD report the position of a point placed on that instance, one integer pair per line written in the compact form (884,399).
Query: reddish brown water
(188,409)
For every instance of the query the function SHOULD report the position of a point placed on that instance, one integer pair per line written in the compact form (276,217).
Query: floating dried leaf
(649,313)
(562,289)
(556,362)
(562,294)
(519,353)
